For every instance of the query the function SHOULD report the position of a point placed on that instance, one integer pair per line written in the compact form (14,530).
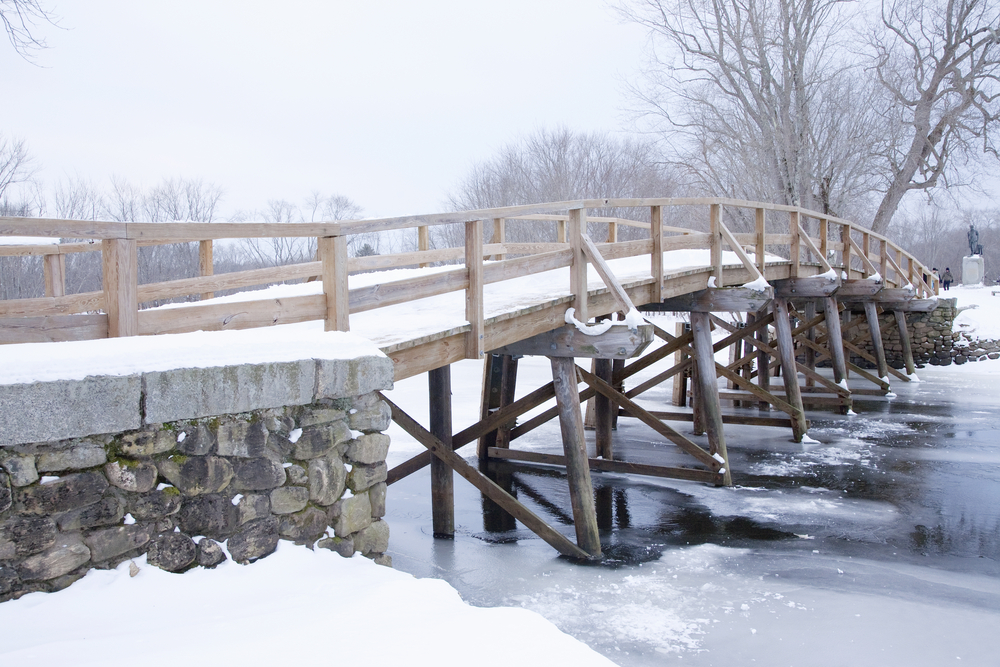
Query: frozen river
(880,544)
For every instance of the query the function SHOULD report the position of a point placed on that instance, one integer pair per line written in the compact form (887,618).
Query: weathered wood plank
(714,300)
(604,465)
(442,479)
(120,277)
(53,328)
(800,288)
(619,342)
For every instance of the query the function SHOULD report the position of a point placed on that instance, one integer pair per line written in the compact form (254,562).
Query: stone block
(110,542)
(373,539)
(342,378)
(67,554)
(190,393)
(296,475)
(375,417)
(106,512)
(75,457)
(20,467)
(195,440)
(343,546)
(242,438)
(6,493)
(211,515)
(377,494)
(369,448)
(66,493)
(210,553)
(135,476)
(258,474)
(26,535)
(361,476)
(289,499)
(197,475)
(147,443)
(255,539)
(47,411)
(305,526)
(327,480)
(316,441)
(172,552)
(253,506)
(355,514)
(155,504)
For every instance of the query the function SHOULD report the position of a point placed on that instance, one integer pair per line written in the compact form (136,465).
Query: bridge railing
(807,241)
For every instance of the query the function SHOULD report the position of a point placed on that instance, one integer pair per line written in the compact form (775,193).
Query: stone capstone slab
(47,411)
(341,378)
(172,552)
(190,393)
(255,539)
(65,556)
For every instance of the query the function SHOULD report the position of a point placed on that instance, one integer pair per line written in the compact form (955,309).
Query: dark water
(879,542)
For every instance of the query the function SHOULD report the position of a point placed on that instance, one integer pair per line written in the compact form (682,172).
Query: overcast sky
(386,102)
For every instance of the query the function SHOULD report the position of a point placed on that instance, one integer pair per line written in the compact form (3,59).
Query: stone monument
(973,268)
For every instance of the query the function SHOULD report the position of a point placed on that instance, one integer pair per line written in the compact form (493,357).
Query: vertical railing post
(845,238)
(824,241)
(795,246)
(206,264)
(499,236)
(423,242)
(884,260)
(866,249)
(121,283)
(656,259)
(613,231)
(759,236)
(575,227)
(715,241)
(54,269)
(560,231)
(333,250)
(474,339)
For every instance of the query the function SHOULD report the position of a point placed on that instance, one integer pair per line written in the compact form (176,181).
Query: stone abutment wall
(171,464)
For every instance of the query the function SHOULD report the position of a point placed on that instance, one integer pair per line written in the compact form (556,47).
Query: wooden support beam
(786,353)
(581,489)
(745,420)
(835,339)
(604,465)
(508,384)
(858,288)
(763,358)
(442,479)
(488,488)
(708,385)
(643,415)
(121,285)
(679,397)
(759,240)
(604,271)
(904,339)
(795,247)
(871,313)
(809,353)
(715,241)
(333,251)
(603,409)
(715,300)
(618,342)
(814,287)
(489,401)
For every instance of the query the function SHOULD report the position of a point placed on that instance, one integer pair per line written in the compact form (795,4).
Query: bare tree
(19,18)
(754,98)
(15,163)
(939,61)
(558,165)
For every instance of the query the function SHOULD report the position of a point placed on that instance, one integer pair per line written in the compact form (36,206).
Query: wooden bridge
(808,278)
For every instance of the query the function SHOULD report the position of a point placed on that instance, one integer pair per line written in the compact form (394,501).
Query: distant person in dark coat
(946,279)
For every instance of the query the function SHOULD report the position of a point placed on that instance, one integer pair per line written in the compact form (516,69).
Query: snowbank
(294,607)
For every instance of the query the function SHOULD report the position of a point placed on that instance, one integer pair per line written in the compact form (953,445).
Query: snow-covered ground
(981,314)
(695,585)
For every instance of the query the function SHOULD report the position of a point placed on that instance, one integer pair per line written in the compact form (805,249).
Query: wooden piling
(603,409)
(904,339)
(871,313)
(442,479)
(789,373)
(709,389)
(581,489)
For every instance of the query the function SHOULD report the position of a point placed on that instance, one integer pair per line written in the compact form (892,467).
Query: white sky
(387,102)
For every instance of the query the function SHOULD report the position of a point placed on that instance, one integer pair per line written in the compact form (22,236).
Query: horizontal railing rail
(808,242)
